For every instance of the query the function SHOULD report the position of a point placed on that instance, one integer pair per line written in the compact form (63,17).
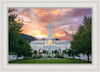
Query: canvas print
(50,35)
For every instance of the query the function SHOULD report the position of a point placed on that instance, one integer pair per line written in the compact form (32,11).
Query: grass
(53,61)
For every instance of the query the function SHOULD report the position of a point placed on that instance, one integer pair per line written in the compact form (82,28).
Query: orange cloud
(36,22)
(41,12)
(55,11)
(40,34)
(68,9)
(60,34)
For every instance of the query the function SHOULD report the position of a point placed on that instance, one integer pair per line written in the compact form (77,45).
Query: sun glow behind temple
(40,34)
(49,44)
(65,21)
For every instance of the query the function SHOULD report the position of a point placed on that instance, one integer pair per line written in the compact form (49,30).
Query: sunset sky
(65,21)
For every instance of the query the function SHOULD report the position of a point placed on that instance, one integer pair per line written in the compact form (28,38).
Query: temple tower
(50,35)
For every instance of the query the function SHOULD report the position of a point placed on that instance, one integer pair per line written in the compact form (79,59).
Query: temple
(49,44)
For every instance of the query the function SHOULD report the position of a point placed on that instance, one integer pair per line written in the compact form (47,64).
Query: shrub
(59,56)
(40,56)
(49,56)
(35,57)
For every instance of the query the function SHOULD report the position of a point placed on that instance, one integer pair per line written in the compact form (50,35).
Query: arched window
(50,42)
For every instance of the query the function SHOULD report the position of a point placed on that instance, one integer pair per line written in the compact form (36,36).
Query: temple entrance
(50,52)
(40,51)
(50,42)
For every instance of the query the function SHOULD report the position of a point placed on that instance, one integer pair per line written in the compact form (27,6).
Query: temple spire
(50,35)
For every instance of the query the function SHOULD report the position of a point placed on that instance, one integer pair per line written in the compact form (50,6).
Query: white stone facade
(50,44)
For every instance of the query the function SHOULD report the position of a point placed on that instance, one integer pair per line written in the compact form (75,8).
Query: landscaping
(50,61)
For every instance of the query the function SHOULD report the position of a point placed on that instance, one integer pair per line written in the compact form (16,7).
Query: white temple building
(49,44)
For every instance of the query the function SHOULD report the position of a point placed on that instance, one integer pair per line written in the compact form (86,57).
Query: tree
(82,39)
(14,30)
(44,52)
(71,53)
(77,42)
(56,51)
(87,36)
(24,48)
(64,52)
(16,43)
(35,52)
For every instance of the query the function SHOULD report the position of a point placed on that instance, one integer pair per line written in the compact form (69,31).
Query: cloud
(65,20)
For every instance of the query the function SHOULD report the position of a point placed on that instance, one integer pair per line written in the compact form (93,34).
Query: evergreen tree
(82,39)
(44,52)
(71,53)
(35,52)
(64,52)
(16,43)
(56,51)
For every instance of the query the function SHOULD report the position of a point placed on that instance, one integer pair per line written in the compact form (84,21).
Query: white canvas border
(41,67)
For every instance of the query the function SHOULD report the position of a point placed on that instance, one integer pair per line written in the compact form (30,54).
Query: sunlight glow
(39,36)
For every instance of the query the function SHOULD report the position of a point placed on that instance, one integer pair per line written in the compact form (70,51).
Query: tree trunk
(17,57)
(79,57)
(88,56)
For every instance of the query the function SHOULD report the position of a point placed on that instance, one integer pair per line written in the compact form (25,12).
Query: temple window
(50,42)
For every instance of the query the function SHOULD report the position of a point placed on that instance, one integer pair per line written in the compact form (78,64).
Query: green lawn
(54,61)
